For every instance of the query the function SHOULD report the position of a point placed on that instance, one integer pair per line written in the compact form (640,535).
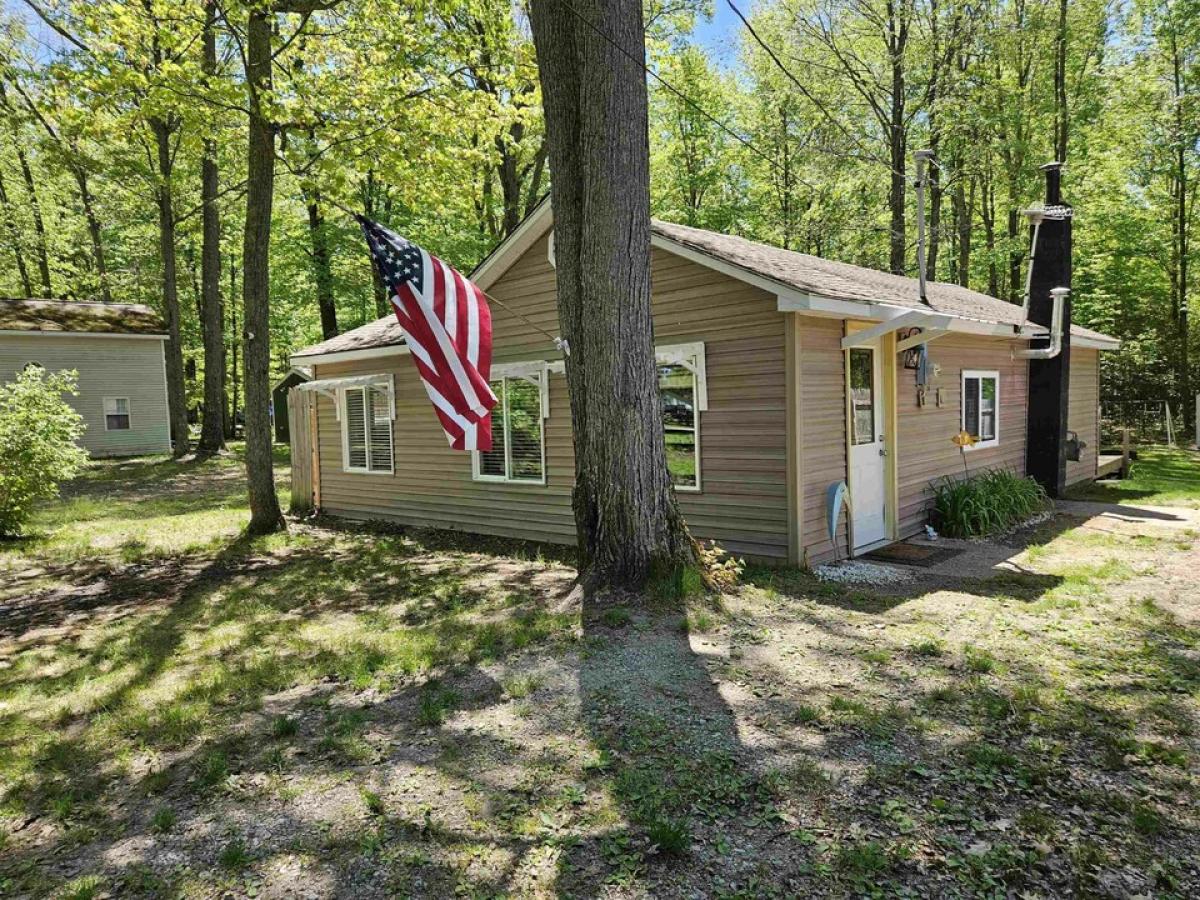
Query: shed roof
(78,317)
(787,268)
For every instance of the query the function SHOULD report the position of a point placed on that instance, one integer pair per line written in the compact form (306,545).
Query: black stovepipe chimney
(1049,379)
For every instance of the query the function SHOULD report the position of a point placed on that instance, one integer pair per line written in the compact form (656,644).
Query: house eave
(14,332)
(341,356)
(1095,343)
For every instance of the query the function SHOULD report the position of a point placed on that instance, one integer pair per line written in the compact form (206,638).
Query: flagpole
(559,342)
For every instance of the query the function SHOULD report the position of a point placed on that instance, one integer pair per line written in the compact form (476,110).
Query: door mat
(912,554)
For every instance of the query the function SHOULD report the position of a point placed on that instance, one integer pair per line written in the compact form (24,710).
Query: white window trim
(381,383)
(536,373)
(962,412)
(105,413)
(691,357)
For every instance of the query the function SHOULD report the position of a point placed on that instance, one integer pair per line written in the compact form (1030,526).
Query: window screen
(677,404)
(518,444)
(980,408)
(367,425)
(116,413)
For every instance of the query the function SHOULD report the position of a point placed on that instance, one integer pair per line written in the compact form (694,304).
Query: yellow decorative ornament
(962,441)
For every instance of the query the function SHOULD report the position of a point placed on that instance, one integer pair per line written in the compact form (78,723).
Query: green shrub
(986,503)
(38,434)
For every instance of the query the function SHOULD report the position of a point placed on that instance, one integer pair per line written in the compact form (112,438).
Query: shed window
(981,406)
(518,451)
(367,430)
(116,413)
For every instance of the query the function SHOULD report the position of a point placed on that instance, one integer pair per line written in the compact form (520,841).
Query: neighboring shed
(279,402)
(117,350)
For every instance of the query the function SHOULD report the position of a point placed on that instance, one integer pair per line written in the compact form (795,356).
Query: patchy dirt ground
(341,712)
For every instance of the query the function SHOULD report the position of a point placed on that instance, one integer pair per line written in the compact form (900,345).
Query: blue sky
(719,34)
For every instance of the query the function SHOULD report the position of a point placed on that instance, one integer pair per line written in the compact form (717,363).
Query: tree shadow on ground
(372,714)
(670,752)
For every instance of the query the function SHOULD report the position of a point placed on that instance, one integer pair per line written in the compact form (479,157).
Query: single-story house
(117,349)
(781,374)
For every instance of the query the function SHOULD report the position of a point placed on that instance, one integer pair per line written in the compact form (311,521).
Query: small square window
(116,413)
(981,406)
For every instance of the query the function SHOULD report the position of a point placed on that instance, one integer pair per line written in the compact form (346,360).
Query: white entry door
(867,450)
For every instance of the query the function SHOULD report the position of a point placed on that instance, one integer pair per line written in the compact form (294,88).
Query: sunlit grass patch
(1159,476)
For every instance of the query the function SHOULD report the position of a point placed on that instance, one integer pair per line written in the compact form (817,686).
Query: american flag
(448,328)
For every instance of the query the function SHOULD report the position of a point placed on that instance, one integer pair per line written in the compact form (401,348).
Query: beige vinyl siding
(925,448)
(108,366)
(742,503)
(823,429)
(1083,413)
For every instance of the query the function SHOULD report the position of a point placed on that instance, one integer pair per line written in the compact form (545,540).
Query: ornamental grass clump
(38,449)
(986,503)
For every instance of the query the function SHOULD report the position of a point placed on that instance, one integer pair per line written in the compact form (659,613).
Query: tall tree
(212,430)
(591,60)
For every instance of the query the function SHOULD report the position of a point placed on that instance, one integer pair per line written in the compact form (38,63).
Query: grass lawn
(346,711)
(1160,476)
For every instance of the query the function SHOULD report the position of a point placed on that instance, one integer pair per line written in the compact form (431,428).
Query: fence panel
(303,435)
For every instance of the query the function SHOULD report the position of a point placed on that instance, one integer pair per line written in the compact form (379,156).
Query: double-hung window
(981,406)
(518,451)
(367,428)
(116,413)
(682,395)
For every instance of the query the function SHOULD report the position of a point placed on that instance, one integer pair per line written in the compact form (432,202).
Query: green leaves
(38,434)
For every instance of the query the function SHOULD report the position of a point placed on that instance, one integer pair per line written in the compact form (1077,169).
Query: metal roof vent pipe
(1051,350)
(1049,305)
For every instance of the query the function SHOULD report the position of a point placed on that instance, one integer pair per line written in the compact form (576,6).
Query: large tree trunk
(14,236)
(212,431)
(897,137)
(176,393)
(265,515)
(1180,226)
(235,340)
(627,521)
(322,271)
(962,225)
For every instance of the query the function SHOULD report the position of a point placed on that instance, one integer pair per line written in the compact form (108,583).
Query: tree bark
(1061,108)
(35,207)
(897,136)
(627,521)
(212,431)
(14,235)
(93,226)
(234,342)
(265,515)
(176,393)
(39,226)
(1180,227)
(322,271)
(962,223)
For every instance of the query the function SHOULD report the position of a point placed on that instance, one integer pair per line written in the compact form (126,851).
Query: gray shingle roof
(809,274)
(385,332)
(78,316)
(844,281)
